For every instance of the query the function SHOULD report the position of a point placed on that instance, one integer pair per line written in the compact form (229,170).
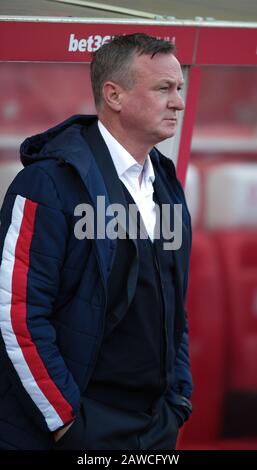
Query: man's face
(149,109)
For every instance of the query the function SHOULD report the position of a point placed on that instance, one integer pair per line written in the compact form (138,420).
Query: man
(94,342)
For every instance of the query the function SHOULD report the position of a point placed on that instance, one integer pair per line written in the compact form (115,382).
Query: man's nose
(176,102)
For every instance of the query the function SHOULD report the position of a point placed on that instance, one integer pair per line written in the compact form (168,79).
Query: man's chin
(167,134)
(169,129)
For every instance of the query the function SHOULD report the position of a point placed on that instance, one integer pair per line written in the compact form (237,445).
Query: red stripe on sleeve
(19,313)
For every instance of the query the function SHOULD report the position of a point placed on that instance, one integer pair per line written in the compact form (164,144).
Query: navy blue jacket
(53,286)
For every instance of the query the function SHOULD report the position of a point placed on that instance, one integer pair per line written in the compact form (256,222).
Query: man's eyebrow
(170,81)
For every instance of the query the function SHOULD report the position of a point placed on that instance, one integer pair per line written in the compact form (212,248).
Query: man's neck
(138,150)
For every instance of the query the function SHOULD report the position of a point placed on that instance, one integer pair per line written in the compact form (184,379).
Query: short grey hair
(112,61)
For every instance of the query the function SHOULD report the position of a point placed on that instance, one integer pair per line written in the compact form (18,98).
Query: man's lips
(174,120)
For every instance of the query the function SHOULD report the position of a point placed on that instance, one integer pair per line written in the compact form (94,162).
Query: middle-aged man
(94,340)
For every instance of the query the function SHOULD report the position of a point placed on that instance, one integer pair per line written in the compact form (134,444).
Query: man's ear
(112,93)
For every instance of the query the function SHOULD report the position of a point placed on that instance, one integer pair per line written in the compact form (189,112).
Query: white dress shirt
(129,171)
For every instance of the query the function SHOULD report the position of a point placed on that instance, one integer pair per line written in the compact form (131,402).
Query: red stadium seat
(238,260)
(206,323)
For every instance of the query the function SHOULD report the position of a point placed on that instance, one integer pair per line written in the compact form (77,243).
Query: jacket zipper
(163,348)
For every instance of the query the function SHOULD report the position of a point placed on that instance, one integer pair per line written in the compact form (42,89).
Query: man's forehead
(161,65)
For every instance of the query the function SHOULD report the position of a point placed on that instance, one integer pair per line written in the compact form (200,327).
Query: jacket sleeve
(33,237)
(179,394)
(183,384)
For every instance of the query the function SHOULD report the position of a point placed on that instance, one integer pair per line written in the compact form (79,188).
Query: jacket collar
(107,169)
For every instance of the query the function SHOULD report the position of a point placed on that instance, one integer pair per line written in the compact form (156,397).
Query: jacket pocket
(75,436)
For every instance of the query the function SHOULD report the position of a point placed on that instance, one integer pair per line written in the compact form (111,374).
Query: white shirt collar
(123,160)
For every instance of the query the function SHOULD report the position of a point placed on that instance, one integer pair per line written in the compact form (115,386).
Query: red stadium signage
(53,41)
(74,42)
(227,46)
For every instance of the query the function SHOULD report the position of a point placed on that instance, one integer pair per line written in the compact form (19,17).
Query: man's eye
(164,88)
